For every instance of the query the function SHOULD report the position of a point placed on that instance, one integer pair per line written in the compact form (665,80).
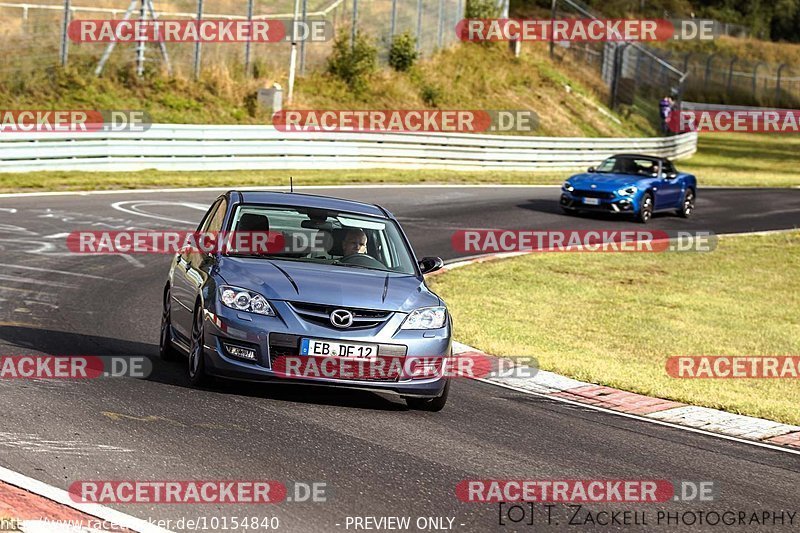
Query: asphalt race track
(377,457)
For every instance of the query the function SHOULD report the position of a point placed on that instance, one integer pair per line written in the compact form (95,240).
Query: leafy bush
(403,52)
(481,9)
(353,64)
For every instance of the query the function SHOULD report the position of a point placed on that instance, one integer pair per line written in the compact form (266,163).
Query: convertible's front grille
(593,194)
(286,345)
(320,314)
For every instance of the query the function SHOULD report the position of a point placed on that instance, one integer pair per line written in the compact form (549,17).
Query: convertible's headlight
(568,186)
(245,300)
(426,318)
(628,191)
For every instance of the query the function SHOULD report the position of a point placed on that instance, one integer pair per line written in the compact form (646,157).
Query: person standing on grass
(665,111)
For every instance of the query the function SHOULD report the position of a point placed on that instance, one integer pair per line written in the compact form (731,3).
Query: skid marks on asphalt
(157,419)
(36,443)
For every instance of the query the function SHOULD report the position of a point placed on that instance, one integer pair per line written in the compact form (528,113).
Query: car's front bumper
(272,337)
(615,204)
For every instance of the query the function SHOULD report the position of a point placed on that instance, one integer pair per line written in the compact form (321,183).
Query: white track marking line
(53,271)
(134,209)
(61,496)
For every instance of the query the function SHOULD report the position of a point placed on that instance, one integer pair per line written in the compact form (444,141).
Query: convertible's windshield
(637,166)
(326,237)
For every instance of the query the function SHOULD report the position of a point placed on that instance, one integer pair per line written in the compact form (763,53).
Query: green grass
(746,159)
(614,319)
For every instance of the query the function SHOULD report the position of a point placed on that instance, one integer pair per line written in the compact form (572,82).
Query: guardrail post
(394,18)
(755,78)
(441,24)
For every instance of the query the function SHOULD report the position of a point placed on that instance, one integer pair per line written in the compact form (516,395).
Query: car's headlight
(628,191)
(426,318)
(568,186)
(245,300)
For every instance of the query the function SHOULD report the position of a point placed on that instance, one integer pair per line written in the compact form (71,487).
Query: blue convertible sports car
(358,297)
(638,185)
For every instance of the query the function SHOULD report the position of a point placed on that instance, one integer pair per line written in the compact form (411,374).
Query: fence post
(140,45)
(197,45)
(293,53)
(394,18)
(778,85)
(441,24)
(730,75)
(708,68)
(755,78)
(64,39)
(248,43)
(355,25)
(617,72)
(419,25)
(303,42)
(553,8)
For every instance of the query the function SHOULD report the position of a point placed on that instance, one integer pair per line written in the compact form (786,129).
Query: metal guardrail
(199,147)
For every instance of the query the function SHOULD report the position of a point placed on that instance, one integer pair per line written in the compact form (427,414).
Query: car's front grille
(593,194)
(320,314)
(286,345)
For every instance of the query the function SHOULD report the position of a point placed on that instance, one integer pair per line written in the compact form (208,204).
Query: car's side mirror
(590,169)
(430,264)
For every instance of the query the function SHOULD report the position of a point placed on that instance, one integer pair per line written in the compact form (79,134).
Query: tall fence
(633,71)
(35,33)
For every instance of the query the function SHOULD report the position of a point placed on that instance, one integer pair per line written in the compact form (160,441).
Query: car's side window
(216,219)
(668,167)
(209,216)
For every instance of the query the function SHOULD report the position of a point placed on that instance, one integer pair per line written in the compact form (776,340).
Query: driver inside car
(355,242)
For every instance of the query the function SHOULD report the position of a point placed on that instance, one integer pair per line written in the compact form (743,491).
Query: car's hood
(327,284)
(604,182)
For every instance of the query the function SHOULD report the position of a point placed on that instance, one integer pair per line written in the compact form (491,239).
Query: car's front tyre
(645,209)
(687,206)
(166,350)
(197,359)
(569,211)
(430,404)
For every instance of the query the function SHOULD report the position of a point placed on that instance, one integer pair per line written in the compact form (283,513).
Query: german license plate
(591,201)
(347,350)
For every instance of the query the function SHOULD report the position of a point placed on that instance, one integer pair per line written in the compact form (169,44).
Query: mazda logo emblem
(342,318)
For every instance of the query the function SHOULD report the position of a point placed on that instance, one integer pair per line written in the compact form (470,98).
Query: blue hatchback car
(360,295)
(636,185)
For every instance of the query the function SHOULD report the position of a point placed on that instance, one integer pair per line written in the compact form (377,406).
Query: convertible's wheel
(197,360)
(645,209)
(430,404)
(687,207)
(166,350)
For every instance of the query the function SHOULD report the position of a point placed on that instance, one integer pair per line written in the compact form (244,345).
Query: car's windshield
(629,165)
(326,237)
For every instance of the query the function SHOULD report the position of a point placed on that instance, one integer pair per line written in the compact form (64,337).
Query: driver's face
(355,243)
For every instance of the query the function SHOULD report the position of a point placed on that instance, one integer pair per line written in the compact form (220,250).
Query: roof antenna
(291,184)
